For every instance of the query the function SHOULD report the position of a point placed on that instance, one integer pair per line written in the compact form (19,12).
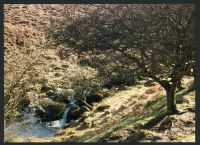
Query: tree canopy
(157,39)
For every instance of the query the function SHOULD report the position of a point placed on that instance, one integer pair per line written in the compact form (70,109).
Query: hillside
(24,24)
(131,115)
(124,110)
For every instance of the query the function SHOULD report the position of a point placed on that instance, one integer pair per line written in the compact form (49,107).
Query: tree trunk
(171,99)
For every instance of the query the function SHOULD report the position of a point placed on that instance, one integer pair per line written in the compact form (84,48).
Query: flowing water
(30,126)
(64,118)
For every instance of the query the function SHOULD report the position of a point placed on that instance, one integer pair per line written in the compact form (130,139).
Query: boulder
(75,112)
(64,94)
(49,110)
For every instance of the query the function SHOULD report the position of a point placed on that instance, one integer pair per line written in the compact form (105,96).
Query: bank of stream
(30,125)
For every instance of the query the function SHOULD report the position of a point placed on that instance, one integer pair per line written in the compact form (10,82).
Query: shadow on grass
(147,120)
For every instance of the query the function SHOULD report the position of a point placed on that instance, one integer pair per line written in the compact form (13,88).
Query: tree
(83,80)
(158,39)
(22,72)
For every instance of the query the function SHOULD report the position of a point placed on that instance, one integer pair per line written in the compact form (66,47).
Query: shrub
(22,71)
(84,80)
(120,76)
(97,97)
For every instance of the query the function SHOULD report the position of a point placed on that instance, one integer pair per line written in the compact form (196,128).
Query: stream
(31,126)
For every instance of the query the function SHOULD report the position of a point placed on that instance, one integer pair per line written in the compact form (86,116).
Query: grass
(155,109)
(133,121)
(153,112)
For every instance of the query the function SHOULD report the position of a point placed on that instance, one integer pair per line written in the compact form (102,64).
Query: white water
(61,123)
(64,118)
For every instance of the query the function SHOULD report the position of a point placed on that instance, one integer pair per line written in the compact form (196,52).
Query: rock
(120,87)
(49,110)
(46,88)
(62,95)
(71,124)
(50,93)
(105,92)
(74,113)
(150,103)
(65,92)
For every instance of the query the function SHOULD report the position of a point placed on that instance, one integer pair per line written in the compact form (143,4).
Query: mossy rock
(16,114)
(53,110)
(75,112)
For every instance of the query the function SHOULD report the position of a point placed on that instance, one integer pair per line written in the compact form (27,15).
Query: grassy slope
(124,130)
(130,110)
